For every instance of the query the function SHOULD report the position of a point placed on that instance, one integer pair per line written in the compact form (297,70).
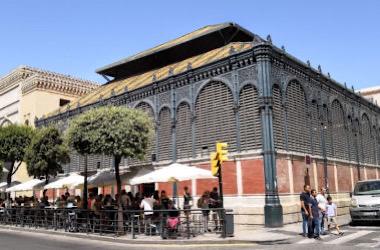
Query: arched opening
(296,111)
(215,118)
(250,122)
(183,131)
(164,135)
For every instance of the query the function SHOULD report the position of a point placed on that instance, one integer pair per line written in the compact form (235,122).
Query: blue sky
(76,37)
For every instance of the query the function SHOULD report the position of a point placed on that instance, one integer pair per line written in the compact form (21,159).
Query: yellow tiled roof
(138,81)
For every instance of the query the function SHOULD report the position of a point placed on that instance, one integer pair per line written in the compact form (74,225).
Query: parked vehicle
(365,201)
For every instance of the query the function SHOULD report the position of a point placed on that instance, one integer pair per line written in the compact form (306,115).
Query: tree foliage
(14,139)
(114,131)
(46,152)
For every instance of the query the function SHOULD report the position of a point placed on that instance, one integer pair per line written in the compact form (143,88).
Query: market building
(286,122)
(27,93)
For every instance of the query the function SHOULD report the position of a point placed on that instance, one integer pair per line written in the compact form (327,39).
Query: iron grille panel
(215,119)
(367,141)
(339,131)
(278,120)
(164,135)
(327,131)
(151,148)
(250,122)
(315,129)
(183,133)
(298,132)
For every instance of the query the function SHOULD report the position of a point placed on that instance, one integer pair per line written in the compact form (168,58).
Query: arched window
(215,118)
(278,120)
(326,126)
(367,142)
(298,130)
(339,131)
(183,131)
(316,128)
(151,151)
(250,122)
(164,135)
(356,153)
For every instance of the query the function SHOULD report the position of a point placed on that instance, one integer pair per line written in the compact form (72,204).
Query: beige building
(372,94)
(27,93)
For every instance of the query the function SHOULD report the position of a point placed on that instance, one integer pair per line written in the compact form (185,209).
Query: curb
(144,242)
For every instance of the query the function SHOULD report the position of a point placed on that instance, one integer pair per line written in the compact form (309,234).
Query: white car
(365,201)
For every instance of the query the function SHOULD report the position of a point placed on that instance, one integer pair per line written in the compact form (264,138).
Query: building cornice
(31,79)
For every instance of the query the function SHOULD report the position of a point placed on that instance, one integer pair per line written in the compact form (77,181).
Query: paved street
(362,237)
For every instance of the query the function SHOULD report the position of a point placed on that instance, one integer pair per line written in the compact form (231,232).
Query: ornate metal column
(273,209)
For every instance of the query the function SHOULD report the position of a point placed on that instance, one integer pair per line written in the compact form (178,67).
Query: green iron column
(273,209)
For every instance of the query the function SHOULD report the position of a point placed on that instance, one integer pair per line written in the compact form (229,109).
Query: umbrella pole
(175,193)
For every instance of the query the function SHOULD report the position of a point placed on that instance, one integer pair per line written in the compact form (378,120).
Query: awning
(173,172)
(26,186)
(71,181)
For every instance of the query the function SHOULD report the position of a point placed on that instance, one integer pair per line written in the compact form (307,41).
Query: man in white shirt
(147,205)
(321,198)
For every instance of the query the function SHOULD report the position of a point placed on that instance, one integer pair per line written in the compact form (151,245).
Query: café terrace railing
(190,222)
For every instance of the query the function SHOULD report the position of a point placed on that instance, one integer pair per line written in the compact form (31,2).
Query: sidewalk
(243,234)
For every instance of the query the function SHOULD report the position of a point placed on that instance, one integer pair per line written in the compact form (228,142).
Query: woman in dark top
(187,198)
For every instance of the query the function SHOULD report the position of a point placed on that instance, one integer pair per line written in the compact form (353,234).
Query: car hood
(367,200)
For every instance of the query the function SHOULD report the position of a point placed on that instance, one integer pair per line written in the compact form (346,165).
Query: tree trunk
(85,191)
(120,220)
(9,181)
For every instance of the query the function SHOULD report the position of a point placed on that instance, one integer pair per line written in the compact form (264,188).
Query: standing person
(331,215)
(321,198)
(203,203)
(187,199)
(164,200)
(215,203)
(305,210)
(125,200)
(315,216)
(147,205)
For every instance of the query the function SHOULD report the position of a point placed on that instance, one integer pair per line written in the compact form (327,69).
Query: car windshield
(367,188)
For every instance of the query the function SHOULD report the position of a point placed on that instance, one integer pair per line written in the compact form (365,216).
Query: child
(331,215)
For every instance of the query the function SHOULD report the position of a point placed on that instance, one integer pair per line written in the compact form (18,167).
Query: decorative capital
(262,51)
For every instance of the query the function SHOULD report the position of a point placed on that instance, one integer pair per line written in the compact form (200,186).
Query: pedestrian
(147,204)
(331,216)
(203,203)
(187,199)
(215,204)
(322,201)
(315,216)
(305,210)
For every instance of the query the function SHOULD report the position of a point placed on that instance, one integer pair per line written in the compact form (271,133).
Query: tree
(1,169)
(14,139)
(114,131)
(46,152)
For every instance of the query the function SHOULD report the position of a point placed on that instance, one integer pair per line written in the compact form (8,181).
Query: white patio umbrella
(105,177)
(3,185)
(71,181)
(26,186)
(173,172)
